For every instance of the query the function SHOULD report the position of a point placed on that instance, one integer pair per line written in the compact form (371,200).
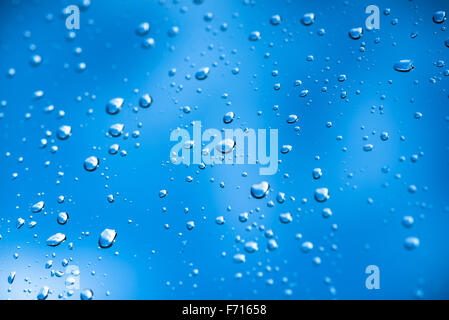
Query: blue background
(153,262)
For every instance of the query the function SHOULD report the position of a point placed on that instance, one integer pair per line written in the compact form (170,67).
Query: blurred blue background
(369,191)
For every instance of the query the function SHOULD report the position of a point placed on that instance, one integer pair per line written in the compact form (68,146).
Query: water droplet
(143,29)
(286,149)
(292,118)
(20,222)
(162,193)
(107,238)
(404,65)
(11,277)
(285,217)
(148,43)
(407,221)
(63,217)
(321,194)
(114,148)
(43,293)
(439,16)
(306,246)
(275,20)
(86,294)
(239,258)
(411,243)
(145,101)
(114,105)
(64,132)
(36,60)
(316,173)
(91,163)
(243,217)
(355,33)
(251,246)
(228,117)
(225,146)
(202,73)
(173,31)
(56,239)
(307,19)
(260,190)
(280,198)
(327,213)
(38,206)
(116,129)
(272,245)
(254,36)
(190,225)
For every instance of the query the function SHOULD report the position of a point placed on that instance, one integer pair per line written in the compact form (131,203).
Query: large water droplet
(286,149)
(202,73)
(38,206)
(64,132)
(143,29)
(239,258)
(307,19)
(260,190)
(114,105)
(411,243)
(275,20)
(321,194)
(43,293)
(254,36)
(145,101)
(63,217)
(285,217)
(251,246)
(403,65)
(86,294)
(228,117)
(317,173)
(56,239)
(116,129)
(107,238)
(162,193)
(439,16)
(292,118)
(355,33)
(225,146)
(91,163)
(11,277)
